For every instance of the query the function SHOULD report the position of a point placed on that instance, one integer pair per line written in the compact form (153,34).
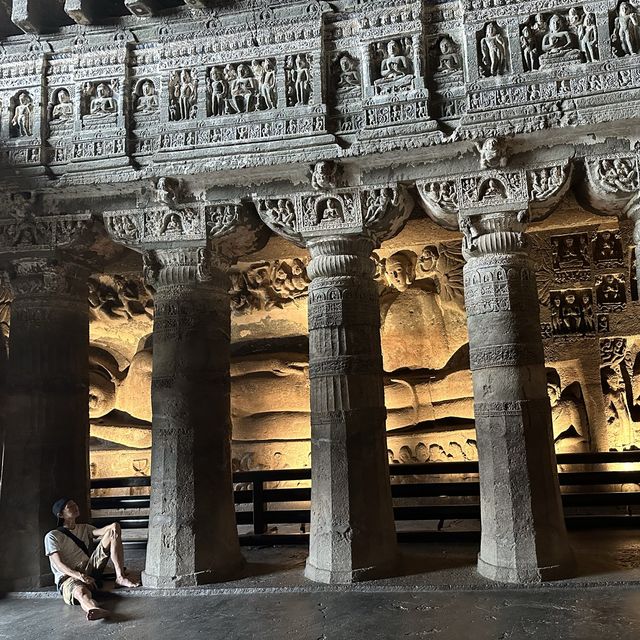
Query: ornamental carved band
(494,286)
(506,355)
(514,409)
(339,365)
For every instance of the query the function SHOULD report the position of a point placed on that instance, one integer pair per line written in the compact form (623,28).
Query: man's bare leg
(89,605)
(112,542)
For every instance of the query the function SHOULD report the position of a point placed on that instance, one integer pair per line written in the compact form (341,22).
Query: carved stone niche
(338,211)
(98,101)
(493,50)
(22,123)
(559,39)
(61,110)
(242,87)
(610,182)
(625,29)
(145,100)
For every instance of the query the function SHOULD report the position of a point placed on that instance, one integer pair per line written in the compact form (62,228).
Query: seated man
(74,565)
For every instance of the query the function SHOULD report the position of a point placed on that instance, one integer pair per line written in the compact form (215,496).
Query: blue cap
(58,506)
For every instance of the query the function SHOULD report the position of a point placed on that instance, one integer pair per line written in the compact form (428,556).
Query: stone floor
(438,595)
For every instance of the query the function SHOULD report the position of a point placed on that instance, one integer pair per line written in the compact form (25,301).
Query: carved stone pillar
(352,526)
(523,532)
(188,244)
(192,532)
(47,427)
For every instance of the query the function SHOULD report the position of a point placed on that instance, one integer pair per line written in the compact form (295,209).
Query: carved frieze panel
(610,183)
(25,231)
(495,189)
(572,257)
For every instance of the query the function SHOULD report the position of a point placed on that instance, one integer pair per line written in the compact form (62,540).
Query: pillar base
(527,574)
(328,576)
(222,574)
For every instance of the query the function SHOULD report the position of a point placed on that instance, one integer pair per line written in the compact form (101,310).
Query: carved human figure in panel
(244,89)
(627,29)
(22,120)
(348,74)
(529,48)
(183,91)
(493,51)
(396,70)
(303,80)
(558,43)
(588,37)
(218,91)
(448,56)
(617,409)
(62,107)
(147,101)
(102,103)
(267,84)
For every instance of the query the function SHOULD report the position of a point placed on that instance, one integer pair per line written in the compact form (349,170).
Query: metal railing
(436,493)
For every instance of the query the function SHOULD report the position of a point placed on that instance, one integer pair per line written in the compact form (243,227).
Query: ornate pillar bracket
(534,184)
(46,439)
(611,186)
(187,246)
(352,525)
(523,532)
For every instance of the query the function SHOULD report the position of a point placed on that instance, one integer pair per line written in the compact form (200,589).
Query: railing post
(259,525)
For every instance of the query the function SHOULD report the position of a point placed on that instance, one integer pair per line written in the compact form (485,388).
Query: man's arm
(56,558)
(98,533)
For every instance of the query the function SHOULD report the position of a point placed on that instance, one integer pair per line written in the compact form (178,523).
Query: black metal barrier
(433,492)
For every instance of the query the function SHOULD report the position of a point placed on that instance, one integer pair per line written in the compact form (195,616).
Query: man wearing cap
(75,567)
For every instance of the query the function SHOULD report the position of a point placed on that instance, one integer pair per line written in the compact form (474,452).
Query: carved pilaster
(47,422)
(523,531)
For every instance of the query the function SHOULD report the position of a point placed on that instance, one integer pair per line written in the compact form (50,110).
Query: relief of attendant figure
(627,29)
(303,80)
(268,84)
(23,115)
(588,37)
(493,49)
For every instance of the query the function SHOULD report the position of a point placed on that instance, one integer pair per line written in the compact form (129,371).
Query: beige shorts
(94,567)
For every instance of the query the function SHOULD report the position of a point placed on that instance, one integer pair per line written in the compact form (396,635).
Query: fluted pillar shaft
(192,533)
(46,444)
(352,525)
(523,532)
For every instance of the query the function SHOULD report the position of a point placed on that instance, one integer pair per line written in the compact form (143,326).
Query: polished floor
(437,594)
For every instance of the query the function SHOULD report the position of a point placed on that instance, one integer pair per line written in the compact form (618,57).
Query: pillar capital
(190,236)
(611,184)
(375,211)
(529,186)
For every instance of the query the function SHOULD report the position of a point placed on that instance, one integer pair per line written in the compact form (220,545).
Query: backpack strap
(75,539)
